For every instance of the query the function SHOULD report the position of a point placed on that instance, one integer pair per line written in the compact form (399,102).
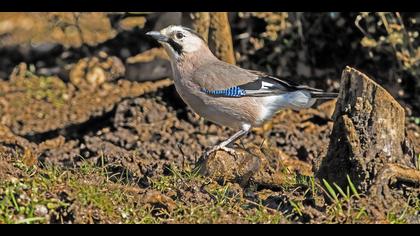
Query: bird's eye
(179,35)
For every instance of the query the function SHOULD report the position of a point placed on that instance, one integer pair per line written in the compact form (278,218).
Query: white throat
(174,56)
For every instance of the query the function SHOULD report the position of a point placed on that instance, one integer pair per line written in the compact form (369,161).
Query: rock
(369,132)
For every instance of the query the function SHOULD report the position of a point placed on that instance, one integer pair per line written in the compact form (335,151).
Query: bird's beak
(158,36)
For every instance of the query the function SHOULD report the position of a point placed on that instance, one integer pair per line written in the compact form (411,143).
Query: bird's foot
(231,151)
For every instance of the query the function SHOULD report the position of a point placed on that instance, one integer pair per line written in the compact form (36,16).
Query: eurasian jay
(227,94)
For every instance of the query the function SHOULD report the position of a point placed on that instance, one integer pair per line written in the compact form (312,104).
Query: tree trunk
(214,27)
(220,37)
(198,21)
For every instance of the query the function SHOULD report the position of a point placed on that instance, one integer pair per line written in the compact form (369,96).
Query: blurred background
(310,48)
(65,73)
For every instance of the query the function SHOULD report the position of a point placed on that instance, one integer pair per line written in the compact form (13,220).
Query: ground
(84,139)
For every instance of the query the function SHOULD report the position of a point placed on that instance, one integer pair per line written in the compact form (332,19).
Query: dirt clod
(249,164)
(158,200)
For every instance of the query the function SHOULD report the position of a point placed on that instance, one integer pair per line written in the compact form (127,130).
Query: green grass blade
(340,190)
(361,213)
(352,187)
(296,208)
(331,191)
(30,220)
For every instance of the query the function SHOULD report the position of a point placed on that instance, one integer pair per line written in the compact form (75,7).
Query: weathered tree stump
(368,140)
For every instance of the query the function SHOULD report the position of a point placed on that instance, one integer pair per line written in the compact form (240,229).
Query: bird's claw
(231,151)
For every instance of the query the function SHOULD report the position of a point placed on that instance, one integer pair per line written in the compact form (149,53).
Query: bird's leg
(223,145)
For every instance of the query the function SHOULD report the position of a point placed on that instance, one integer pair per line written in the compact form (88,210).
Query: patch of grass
(30,199)
(50,89)
(224,204)
(343,207)
(410,213)
(262,215)
(68,196)
(98,199)
(86,194)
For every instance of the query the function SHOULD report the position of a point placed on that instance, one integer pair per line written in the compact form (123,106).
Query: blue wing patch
(230,92)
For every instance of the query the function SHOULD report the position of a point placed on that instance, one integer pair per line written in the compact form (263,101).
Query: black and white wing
(225,80)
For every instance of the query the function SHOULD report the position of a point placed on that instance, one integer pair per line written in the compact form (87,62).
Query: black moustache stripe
(176,46)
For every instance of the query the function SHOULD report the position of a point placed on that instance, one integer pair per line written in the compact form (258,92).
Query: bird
(224,93)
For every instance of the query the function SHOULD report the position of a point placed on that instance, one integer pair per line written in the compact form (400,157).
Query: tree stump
(368,138)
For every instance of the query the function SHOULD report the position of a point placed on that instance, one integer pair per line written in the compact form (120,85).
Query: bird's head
(179,41)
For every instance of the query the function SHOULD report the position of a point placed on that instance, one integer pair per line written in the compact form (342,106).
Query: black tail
(323,95)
